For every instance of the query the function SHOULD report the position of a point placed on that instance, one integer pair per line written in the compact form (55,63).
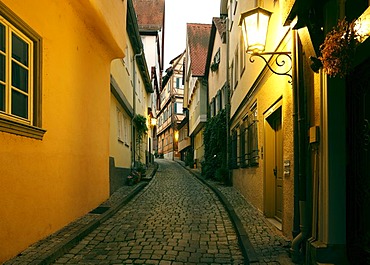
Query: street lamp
(254,24)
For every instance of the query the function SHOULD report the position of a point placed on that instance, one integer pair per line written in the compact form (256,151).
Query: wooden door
(278,173)
(274,165)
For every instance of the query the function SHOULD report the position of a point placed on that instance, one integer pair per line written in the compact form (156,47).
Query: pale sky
(180,12)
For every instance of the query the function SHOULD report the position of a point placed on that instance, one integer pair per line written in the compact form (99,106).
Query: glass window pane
(19,50)
(19,104)
(2,67)
(2,37)
(2,97)
(19,77)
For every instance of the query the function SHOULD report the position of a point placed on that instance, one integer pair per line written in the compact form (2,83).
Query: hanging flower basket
(338,49)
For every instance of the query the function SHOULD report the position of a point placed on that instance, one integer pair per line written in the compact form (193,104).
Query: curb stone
(248,251)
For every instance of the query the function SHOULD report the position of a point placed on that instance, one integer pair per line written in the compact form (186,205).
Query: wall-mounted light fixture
(153,121)
(254,24)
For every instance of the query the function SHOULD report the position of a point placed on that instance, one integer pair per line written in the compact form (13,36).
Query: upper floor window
(178,108)
(179,83)
(243,55)
(236,67)
(20,91)
(232,11)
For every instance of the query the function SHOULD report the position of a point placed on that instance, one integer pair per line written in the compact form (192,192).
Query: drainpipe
(296,218)
(133,145)
(299,156)
(227,104)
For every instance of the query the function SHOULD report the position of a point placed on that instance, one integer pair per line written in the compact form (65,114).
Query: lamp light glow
(254,24)
(153,121)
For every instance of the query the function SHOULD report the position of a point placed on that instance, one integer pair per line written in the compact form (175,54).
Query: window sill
(17,128)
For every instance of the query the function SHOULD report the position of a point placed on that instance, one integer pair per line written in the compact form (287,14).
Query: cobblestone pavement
(269,245)
(174,220)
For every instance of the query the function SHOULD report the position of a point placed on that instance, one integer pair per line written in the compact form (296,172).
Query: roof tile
(150,14)
(198,40)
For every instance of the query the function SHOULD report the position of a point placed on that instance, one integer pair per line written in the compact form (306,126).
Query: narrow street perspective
(184,132)
(175,220)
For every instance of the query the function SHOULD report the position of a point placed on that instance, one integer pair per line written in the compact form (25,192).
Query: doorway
(274,164)
(358,166)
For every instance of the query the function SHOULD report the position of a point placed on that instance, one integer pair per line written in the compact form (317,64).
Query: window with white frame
(119,125)
(123,127)
(179,83)
(20,90)
(179,108)
(219,101)
(165,115)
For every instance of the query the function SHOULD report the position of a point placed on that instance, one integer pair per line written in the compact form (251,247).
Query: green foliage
(141,130)
(215,148)
(140,167)
(189,158)
(140,124)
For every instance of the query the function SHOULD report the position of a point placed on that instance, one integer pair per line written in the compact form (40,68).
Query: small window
(236,67)
(20,90)
(234,150)
(216,58)
(243,55)
(232,79)
(249,140)
(178,108)
(119,125)
(179,83)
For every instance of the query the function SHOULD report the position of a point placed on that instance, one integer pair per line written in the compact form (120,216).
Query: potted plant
(130,180)
(339,47)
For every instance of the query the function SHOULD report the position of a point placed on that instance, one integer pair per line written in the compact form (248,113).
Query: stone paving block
(156,220)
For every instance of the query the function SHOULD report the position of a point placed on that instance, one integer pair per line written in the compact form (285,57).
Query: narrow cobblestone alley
(175,220)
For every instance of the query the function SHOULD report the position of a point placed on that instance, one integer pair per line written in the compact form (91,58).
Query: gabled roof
(198,40)
(169,70)
(218,26)
(137,45)
(150,14)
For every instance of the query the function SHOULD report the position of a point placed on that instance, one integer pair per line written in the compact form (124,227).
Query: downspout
(300,189)
(227,104)
(296,221)
(133,145)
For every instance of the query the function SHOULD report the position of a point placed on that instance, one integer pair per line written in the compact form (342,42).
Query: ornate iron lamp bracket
(280,61)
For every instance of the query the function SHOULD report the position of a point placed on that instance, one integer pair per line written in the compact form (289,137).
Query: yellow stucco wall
(119,71)
(217,79)
(120,150)
(199,148)
(269,89)
(46,184)
(251,181)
